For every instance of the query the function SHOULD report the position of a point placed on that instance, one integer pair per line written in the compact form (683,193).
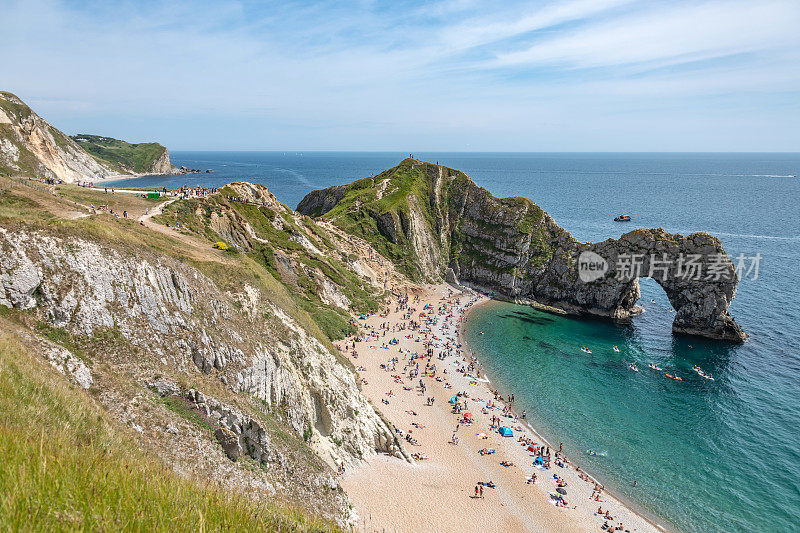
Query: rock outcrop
(162,164)
(514,250)
(181,318)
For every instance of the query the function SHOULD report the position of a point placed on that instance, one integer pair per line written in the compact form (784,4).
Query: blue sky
(455,75)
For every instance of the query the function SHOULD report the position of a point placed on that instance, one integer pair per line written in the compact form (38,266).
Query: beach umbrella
(561,491)
(453,399)
(467,415)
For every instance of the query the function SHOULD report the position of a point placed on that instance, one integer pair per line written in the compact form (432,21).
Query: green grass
(16,206)
(122,155)
(66,467)
(194,215)
(334,323)
(359,209)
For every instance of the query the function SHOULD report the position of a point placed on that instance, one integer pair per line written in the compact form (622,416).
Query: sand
(437,494)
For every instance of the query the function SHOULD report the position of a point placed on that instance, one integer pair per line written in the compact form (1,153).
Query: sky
(449,75)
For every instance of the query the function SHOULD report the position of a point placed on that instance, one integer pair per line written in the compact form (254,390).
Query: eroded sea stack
(429,218)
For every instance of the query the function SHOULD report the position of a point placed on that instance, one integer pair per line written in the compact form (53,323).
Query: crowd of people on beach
(435,329)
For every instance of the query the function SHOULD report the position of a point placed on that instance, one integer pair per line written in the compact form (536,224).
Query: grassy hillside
(379,210)
(122,155)
(266,236)
(67,466)
(117,368)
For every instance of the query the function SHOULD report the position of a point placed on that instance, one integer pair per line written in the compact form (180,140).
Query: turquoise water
(708,456)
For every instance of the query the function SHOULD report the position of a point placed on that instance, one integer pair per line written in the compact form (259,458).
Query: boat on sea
(622,218)
(615,349)
(654,366)
(676,378)
(633,367)
(584,349)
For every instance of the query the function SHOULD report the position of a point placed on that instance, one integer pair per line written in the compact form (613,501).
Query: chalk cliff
(31,147)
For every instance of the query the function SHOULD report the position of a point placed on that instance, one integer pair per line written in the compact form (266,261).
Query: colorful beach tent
(453,399)
(506,431)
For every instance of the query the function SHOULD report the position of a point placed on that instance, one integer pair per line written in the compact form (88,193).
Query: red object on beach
(467,415)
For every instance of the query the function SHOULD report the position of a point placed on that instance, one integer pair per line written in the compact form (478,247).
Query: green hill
(124,156)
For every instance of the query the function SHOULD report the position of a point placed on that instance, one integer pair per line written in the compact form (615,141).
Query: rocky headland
(32,147)
(435,222)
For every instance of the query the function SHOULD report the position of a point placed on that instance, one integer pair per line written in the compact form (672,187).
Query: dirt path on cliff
(195,247)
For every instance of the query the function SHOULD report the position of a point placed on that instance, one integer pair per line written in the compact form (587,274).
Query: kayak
(676,378)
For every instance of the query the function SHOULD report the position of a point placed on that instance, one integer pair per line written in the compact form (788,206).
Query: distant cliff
(434,221)
(142,158)
(32,147)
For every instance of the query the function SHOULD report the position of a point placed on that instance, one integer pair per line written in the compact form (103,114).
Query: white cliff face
(162,164)
(180,316)
(30,145)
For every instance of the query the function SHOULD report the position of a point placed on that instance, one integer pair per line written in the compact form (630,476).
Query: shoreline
(124,177)
(435,492)
(631,505)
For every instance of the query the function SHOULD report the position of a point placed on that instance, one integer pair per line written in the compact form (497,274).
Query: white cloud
(668,35)
(358,78)
(485,29)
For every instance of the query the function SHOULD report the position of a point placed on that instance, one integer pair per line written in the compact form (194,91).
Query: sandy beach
(437,491)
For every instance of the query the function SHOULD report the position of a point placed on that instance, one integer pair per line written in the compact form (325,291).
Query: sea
(696,455)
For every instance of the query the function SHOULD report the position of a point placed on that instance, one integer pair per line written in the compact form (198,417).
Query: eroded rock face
(512,249)
(30,145)
(162,164)
(182,319)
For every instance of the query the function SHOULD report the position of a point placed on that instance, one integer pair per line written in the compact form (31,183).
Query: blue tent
(506,431)
(453,399)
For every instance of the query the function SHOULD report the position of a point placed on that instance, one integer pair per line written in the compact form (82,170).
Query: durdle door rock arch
(512,249)
(602,279)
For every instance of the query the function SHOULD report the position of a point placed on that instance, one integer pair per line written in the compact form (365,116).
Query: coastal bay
(436,493)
